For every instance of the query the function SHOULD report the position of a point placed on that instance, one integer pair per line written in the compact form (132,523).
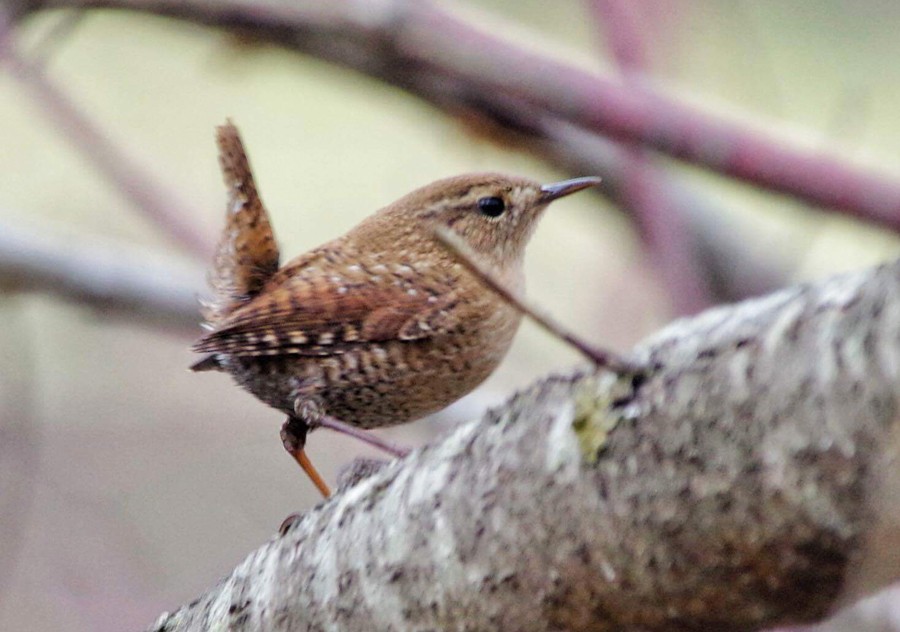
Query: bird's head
(495,214)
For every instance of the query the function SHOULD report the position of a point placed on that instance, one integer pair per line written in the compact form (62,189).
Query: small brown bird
(377,327)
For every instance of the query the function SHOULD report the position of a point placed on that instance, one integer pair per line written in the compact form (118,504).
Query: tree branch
(114,280)
(714,232)
(750,480)
(447,61)
(111,161)
(661,226)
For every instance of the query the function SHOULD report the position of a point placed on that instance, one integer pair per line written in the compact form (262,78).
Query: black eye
(492,206)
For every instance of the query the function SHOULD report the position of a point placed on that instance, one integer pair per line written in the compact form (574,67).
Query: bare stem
(466,256)
(332,423)
(113,279)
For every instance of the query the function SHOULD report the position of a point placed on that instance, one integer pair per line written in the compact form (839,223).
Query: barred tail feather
(247,255)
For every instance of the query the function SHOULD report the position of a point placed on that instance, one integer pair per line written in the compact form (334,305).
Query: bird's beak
(550,192)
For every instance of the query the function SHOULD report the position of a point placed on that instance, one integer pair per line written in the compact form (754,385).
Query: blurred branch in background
(563,114)
(114,280)
(663,229)
(131,179)
(448,61)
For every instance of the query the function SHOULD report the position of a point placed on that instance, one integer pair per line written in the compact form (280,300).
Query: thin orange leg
(311,472)
(293,436)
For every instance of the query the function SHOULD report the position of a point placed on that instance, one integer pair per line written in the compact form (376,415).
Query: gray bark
(749,479)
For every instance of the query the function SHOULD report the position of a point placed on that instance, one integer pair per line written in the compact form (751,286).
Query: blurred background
(128,485)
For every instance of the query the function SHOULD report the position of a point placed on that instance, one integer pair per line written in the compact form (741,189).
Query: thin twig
(466,256)
(332,423)
(58,35)
(111,161)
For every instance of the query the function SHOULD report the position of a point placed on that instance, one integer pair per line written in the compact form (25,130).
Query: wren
(380,326)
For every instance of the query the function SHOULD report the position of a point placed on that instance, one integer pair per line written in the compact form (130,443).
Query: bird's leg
(293,436)
(310,411)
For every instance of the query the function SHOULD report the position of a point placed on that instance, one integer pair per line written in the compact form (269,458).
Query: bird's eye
(492,206)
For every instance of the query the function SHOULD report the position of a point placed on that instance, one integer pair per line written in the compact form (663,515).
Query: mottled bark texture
(750,479)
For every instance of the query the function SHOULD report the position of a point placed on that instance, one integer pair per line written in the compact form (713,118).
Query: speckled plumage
(380,326)
(377,348)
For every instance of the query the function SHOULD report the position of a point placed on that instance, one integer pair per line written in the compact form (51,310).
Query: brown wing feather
(325,314)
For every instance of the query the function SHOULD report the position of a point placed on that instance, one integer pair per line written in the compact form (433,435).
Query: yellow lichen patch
(595,416)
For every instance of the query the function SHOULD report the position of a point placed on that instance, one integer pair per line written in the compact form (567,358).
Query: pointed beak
(566,187)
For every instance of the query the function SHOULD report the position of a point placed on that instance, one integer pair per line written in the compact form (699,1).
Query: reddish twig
(662,227)
(439,56)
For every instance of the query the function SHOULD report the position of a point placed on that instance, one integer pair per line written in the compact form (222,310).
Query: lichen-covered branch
(749,479)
